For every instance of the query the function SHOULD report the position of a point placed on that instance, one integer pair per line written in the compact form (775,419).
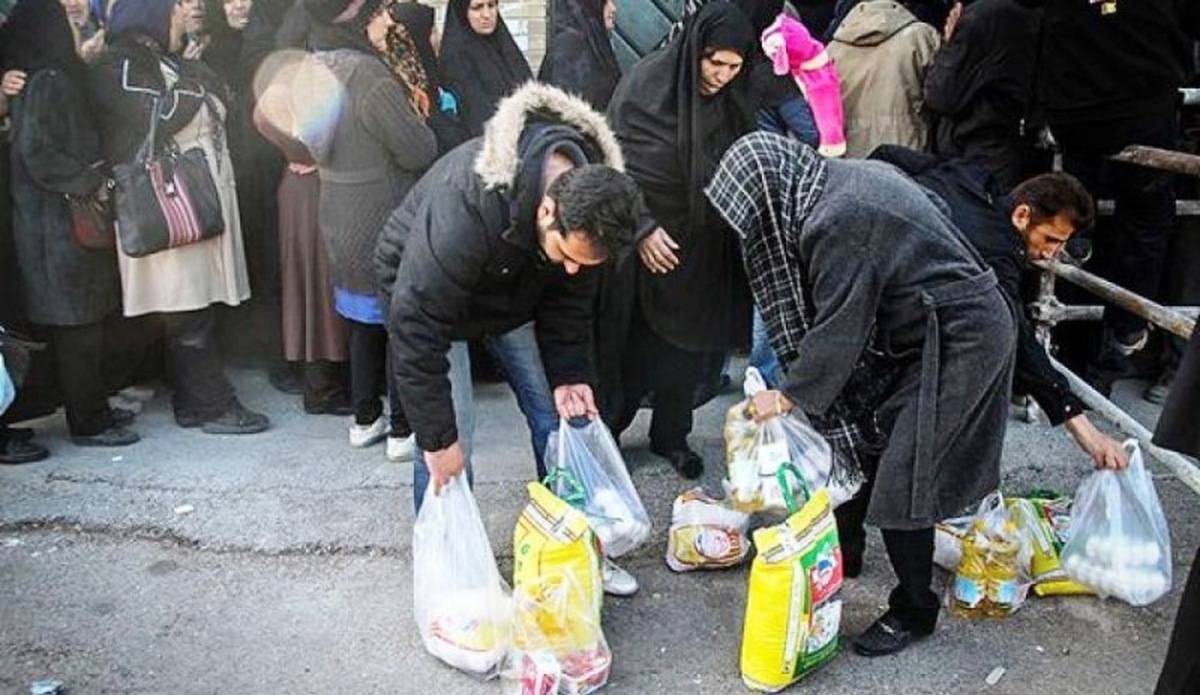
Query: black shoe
(687,462)
(287,378)
(337,404)
(237,420)
(121,417)
(21,434)
(885,636)
(113,436)
(188,420)
(16,450)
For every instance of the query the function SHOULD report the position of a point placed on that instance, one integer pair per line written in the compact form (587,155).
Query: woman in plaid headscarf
(844,254)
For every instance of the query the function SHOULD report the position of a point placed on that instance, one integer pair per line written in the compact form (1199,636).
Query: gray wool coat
(881,255)
(374,152)
(54,148)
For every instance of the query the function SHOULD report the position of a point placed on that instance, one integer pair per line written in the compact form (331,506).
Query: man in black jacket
(1034,221)
(499,234)
(1109,73)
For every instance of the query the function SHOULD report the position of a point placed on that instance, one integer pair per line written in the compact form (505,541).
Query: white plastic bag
(706,534)
(755,451)
(554,641)
(8,392)
(1120,544)
(462,606)
(590,474)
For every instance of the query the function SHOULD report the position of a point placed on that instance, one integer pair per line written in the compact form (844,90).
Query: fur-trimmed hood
(498,161)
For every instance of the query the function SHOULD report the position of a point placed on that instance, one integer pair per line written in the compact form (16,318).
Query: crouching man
(497,241)
(846,258)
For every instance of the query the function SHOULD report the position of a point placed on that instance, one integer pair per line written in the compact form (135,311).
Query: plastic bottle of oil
(1003,578)
(971,580)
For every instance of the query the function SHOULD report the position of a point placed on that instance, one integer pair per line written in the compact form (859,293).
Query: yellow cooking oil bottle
(987,583)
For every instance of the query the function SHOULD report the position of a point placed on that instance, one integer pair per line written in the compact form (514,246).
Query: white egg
(1151,553)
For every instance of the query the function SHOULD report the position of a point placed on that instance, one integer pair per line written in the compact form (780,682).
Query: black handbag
(165,199)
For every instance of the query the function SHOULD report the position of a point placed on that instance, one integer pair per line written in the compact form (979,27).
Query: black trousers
(369,370)
(325,381)
(651,365)
(913,602)
(79,352)
(1132,253)
(1181,671)
(194,365)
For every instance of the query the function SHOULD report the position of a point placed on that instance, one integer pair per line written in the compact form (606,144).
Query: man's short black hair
(599,201)
(1049,195)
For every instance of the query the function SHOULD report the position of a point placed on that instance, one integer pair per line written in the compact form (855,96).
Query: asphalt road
(281,563)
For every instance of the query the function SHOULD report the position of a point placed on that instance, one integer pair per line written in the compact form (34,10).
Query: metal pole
(1085,312)
(1151,311)
(1184,469)
(1157,158)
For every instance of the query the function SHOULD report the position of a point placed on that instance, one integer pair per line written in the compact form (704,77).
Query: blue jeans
(519,358)
(762,356)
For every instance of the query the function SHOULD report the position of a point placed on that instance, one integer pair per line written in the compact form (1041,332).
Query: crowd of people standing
(608,235)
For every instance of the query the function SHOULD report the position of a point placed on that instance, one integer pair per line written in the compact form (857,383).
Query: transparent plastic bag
(988,580)
(706,534)
(590,474)
(462,605)
(554,641)
(1120,545)
(754,452)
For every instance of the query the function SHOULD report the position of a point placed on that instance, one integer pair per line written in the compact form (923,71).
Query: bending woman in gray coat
(853,264)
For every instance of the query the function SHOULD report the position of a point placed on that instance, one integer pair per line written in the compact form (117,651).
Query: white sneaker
(362,436)
(401,449)
(617,582)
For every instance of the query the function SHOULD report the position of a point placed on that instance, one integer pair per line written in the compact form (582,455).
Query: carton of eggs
(1119,566)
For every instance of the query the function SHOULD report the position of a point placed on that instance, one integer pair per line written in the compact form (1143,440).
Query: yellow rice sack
(794,605)
(552,537)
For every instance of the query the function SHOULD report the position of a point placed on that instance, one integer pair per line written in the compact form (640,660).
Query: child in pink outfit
(792,49)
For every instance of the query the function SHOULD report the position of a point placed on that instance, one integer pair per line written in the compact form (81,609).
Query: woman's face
(193,15)
(237,13)
(179,26)
(610,15)
(377,28)
(483,16)
(77,12)
(717,69)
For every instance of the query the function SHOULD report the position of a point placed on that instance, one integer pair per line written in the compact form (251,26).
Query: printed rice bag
(794,604)
(552,537)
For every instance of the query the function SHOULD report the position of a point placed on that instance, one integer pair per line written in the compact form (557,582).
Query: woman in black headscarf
(580,57)
(675,113)
(414,60)
(69,290)
(481,64)
(142,65)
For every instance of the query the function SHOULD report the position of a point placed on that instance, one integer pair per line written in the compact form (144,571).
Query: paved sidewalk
(280,563)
